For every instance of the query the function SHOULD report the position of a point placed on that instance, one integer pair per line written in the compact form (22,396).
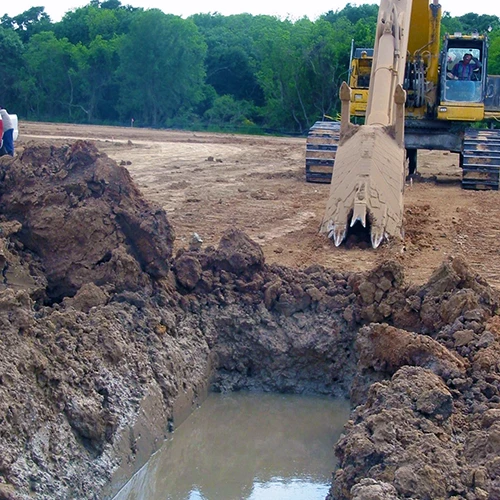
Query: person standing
(8,133)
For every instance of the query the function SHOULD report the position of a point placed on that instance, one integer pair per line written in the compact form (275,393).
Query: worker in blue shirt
(465,68)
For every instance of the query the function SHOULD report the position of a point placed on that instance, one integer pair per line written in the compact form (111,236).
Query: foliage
(227,110)
(106,62)
(353,14)
(51,75)
(451,24)
(494,59)
(29,23)
(86,23)
(11,62)
(231,59)
(98,64)
(161,71)
(481,23)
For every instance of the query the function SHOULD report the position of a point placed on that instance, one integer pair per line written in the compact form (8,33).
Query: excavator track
(480,159)
(321,150)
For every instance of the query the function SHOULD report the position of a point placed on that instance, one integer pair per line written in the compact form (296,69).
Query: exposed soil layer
(111,333)
(208,183)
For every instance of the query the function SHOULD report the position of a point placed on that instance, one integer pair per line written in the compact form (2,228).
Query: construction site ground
(210,182)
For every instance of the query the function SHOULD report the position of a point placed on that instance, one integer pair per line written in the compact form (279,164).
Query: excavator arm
(368,178)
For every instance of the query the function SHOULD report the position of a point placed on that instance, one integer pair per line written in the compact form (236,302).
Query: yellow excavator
(420,94)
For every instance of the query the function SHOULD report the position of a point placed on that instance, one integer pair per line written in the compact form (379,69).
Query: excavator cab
(359,80)
(463,78)
(361,68)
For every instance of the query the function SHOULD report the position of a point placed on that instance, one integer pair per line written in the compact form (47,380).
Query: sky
(281,8)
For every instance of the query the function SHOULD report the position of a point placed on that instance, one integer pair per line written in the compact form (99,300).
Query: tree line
(108,63)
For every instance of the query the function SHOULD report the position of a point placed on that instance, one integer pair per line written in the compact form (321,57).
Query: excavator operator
(465,68)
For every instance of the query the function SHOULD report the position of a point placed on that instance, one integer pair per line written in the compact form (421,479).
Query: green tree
(450,24)
(230,61)
(30,22)
(494,53)
(161,72)
(364,32)
(52,78)
(11,63)
(111,4)
(275,70)
(97,66)
(481,23)
(228,111)
(302,67)
(103,23)
(75,26)
(82,25)
(354,14)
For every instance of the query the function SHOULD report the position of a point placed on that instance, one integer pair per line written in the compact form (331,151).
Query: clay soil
(208,183)
(108,340)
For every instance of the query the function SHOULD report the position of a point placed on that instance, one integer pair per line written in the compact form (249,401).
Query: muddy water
(246,446)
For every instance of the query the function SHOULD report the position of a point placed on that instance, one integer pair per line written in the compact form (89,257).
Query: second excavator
(416,100)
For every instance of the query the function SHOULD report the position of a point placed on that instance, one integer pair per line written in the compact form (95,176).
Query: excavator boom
(368,177)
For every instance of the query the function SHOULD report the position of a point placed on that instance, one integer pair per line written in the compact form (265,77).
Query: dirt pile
(83,220)
(107,341)
(426,425)
(90,342)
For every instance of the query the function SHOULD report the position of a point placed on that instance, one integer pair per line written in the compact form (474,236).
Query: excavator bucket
(367,186)
(368,178)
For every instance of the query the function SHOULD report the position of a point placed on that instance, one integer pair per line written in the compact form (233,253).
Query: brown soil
(109,336)
(208,183)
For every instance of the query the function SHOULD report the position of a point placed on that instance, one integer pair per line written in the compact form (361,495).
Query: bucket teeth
(359,214)
(377,235)
(337,234)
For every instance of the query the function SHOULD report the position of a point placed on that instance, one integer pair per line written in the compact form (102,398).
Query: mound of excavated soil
(83,220)
(108,340)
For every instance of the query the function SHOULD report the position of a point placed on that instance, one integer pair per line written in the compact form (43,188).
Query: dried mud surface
(208,183)
(112,329)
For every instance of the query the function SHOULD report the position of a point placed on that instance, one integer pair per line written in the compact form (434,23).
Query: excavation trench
(287,365)
(246,445)
(109,342)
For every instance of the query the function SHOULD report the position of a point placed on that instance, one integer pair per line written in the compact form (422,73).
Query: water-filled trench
(96,378)
(246,445)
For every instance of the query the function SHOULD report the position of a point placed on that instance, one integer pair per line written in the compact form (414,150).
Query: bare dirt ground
(208,183)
